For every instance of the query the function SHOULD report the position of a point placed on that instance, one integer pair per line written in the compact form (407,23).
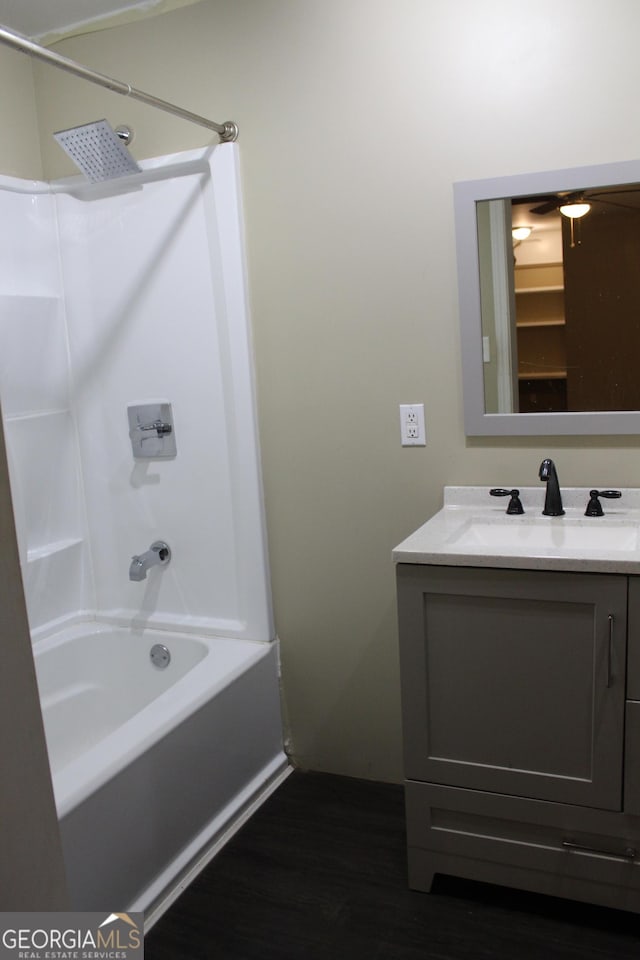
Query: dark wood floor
(319,874)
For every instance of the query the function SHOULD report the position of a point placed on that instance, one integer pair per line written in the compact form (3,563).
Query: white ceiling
(37,18)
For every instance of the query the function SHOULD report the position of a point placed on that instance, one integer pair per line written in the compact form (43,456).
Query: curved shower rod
(226,131)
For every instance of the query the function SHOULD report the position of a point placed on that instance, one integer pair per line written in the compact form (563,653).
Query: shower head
(97,151)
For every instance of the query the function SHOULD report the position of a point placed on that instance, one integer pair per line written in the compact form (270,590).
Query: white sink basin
(547,533)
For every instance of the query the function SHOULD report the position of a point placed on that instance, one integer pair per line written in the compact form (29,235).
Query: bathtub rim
(129,620)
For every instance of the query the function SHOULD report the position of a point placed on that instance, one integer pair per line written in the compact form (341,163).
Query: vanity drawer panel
(633,654)
(448,826)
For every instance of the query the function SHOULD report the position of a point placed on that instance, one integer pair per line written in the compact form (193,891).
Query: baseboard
(179,876)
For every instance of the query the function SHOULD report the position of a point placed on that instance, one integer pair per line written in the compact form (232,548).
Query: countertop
(435,542)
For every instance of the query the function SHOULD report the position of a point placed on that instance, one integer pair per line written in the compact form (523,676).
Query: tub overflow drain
(160,656)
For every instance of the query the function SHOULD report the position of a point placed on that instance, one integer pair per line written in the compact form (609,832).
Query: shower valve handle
(161,428)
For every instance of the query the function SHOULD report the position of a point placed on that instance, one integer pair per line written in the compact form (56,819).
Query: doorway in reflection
(540,310)
(577,304)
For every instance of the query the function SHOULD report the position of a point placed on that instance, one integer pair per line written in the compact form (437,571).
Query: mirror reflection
(560,300)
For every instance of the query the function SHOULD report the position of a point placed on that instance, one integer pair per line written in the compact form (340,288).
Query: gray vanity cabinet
(513,698)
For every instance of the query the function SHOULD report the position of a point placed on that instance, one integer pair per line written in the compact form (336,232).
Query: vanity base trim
(529,844)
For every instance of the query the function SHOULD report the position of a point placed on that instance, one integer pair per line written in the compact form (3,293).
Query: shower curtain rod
(227,131)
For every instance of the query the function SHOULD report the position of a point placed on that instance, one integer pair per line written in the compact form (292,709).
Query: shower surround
(133,292)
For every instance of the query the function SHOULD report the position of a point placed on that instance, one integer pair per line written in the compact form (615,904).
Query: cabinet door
(513,681)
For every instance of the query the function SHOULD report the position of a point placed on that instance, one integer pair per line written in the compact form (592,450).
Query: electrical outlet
(412,431)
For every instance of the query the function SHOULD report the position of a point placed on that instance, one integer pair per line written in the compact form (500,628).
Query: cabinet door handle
(629,853)
(610,651)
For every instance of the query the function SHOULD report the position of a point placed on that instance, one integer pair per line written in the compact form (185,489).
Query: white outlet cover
(412,429)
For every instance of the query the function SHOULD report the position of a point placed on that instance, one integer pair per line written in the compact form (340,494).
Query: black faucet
(553,498)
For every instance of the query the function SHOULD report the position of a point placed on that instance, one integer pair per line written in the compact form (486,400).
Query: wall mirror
(550,315)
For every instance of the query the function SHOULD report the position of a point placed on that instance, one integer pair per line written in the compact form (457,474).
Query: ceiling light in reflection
(575,210)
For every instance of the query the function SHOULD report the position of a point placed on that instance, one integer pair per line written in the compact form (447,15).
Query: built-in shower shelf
(49,549)
(36,414)
(37,300)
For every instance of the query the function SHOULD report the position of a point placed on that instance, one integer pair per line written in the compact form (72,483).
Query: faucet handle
(515,504)
(158,425)
(594,507)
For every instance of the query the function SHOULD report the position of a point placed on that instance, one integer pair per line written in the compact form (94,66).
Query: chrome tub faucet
(158,554)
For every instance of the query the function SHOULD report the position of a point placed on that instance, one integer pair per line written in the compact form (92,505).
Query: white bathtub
(151,766)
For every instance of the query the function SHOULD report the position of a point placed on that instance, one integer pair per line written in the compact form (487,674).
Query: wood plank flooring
(319,873)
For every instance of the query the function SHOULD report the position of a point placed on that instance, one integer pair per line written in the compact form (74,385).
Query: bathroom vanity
(520,666)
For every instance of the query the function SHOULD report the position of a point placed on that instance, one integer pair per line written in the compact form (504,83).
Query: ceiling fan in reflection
(577,204)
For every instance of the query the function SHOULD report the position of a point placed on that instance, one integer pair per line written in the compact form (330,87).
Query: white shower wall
(37,406)
(145,286)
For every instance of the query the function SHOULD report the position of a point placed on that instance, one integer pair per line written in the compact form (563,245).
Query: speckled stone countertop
(447,538)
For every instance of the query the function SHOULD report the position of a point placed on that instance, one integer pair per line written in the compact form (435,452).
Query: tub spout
(158,554)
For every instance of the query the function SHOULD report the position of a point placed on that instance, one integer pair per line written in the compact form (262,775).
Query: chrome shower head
(97,151)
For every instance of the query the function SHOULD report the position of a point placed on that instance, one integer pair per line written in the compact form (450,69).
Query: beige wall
(19,143)
(356,116)
(31,869)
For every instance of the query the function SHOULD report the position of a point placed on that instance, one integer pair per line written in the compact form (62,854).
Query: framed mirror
(550,314)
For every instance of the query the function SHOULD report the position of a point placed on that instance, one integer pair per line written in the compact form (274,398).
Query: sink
(546,533)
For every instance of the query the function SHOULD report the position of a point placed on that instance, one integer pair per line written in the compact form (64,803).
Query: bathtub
(153,766)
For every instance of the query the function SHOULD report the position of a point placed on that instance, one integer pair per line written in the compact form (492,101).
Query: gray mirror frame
(466,194)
